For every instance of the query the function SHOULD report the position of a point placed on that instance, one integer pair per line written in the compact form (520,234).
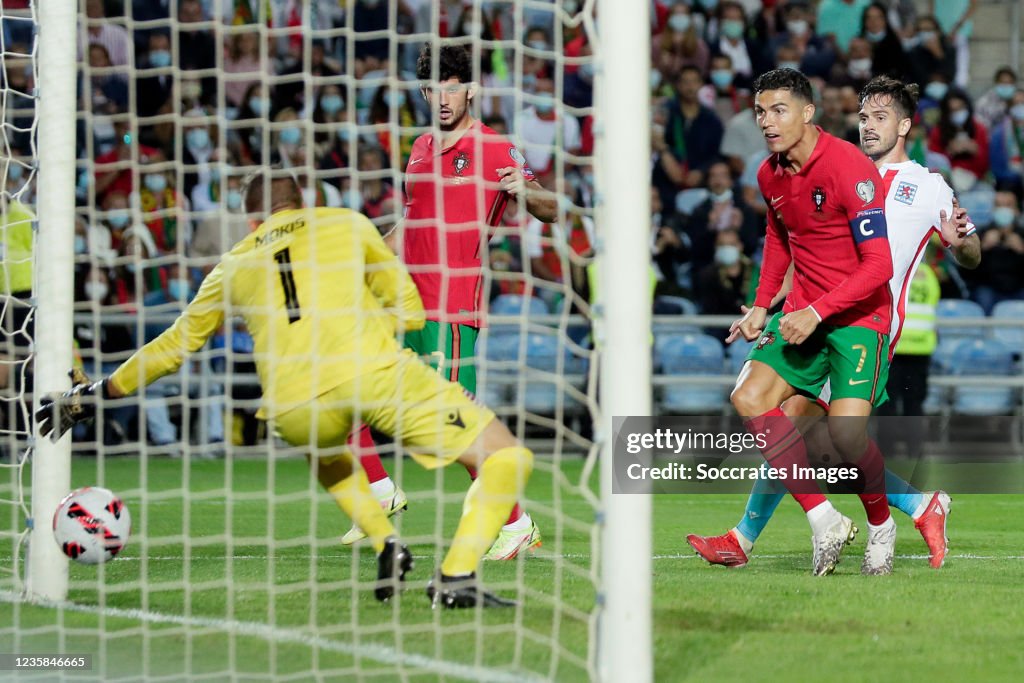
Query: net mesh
(234,570)
(17,175)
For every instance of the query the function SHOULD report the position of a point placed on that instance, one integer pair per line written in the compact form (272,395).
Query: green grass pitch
(305,605)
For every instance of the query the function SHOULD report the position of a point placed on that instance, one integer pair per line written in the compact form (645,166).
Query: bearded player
(918,204)
(459,180)
(826,217)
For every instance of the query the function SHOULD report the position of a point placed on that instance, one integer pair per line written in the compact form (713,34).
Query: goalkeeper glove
(60,412)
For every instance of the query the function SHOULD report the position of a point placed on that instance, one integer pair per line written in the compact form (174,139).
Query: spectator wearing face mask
(198,153)
(579,86)
(1007,148)
(219,231)
(856,70)
(679,45)
(721,94)
(242,62)
(737,42)
(992,107)
(101,337)
(1002,248)
(929,52)
(887,55)
(814,55)
(723,284)
(545,132)
(333,130)
(724,209)
(959,136)
(165,211)
(155,85)
(114,167)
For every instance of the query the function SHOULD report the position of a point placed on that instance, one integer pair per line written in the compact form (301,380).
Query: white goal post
(53,287)
(622,104)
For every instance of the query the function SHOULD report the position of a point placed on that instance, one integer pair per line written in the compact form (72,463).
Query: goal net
(235,568)
(17,179)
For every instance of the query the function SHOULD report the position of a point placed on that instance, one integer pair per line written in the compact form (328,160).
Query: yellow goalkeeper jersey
(321,294)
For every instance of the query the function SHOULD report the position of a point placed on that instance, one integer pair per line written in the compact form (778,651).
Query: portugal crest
(818,195)
(460,163)
(767,339)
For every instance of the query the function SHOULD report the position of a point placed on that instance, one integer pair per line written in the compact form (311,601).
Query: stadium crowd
(175,109)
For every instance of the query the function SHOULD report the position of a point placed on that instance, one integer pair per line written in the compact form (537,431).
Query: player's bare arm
(541,204)
(392,236)
(966,247)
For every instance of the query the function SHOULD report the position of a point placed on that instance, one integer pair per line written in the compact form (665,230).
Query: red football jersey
(829,219)
(442,247)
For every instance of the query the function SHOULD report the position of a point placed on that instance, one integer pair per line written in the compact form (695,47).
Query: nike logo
(860,381)
(776,200)
(414,161)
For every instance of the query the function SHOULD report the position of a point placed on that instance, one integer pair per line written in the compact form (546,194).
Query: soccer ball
(91,525)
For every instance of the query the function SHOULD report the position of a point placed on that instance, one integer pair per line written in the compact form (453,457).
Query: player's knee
(748,400)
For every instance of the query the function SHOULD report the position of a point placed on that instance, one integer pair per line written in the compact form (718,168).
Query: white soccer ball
(91,525)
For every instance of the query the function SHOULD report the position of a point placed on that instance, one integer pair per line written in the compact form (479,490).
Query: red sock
(361,443)
(517,511)
(784,447)
(872,464)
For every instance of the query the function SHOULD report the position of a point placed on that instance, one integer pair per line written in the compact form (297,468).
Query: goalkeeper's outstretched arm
(162,356)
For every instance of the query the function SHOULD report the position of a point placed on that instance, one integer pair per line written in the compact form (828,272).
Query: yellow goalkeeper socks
(500,483)
(354,497)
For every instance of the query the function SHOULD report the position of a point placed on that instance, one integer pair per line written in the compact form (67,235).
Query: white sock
(821,517)
(921,507)
(521,524)
(884,525)
(383,488)
(745,542)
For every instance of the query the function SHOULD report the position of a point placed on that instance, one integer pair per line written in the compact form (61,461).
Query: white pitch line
(538,555)
(376,652)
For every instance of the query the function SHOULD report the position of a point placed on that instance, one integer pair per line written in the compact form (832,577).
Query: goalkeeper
(323,296)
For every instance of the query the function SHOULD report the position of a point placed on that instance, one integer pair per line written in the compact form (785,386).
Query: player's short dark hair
(285,192)
(454,61)
(785,79)
(902,95)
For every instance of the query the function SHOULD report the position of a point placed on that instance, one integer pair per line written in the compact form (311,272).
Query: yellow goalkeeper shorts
(425,413)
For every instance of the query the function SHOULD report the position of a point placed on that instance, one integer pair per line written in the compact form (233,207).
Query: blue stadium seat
(737,354)
(542,352)
(501,353)
(680,303)
(949,309)
(987,358)
(690,354)
(978,203)
(518,305)
(1013,337)
(671,326)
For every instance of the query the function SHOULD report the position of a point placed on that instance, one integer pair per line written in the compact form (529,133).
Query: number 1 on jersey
(291,295)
